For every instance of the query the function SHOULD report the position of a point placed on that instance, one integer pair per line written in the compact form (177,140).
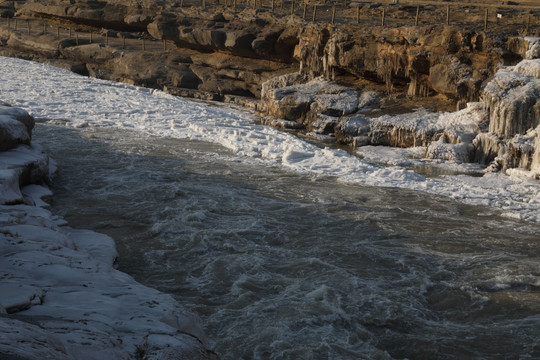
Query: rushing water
(281,266)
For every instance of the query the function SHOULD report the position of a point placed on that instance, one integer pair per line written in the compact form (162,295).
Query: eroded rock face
(7,9)
(215,74)
(419,61)
(245,34)
(122,15)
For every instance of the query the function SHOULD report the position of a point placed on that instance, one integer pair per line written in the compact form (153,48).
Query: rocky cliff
(233,50)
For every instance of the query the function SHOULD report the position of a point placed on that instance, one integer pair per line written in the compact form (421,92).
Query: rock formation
(502,130)
(512,99)
(21,163)
(216,45)
(15,127)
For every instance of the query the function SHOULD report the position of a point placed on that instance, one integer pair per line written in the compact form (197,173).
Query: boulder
(443,150)
(42,45)
(354,129)
(450,78)
(88,53)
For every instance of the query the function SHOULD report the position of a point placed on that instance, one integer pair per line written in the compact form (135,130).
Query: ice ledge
(23,165)
(60,294)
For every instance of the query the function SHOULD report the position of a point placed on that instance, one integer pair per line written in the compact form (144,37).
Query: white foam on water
(51,93)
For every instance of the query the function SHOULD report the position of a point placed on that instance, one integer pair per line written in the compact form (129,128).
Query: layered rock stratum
(233,50)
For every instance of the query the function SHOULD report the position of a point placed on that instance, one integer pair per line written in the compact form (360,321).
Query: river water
(282,266)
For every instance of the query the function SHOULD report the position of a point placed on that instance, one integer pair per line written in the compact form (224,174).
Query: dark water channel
(281,266)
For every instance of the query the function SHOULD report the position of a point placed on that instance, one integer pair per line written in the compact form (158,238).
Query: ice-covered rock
(354,130)
(441,149)
(272,85)
(528,68)
(449,135)
(23,165)
(422,127)
(317,104)
(27,340)
(407,130)
(60,294)
(487,147)
(512,100)
(65,299)
(520,152)
(533,48)
(15,127)
(536,157)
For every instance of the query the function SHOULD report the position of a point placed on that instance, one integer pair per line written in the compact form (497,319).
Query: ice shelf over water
(55,94)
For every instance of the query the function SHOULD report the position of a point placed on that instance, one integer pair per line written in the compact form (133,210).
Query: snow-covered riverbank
(60,294)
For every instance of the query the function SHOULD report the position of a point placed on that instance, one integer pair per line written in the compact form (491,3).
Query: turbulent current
(283,266)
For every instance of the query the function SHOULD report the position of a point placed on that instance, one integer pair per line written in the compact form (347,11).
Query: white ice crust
(533,51)
(12,163)
(66,300)
(58,94)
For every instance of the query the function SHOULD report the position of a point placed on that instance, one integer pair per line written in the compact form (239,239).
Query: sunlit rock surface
(499,131)
(512,101)
(416,60)
(324,107)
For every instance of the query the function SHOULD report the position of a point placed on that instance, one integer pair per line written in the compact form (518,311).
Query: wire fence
(524,19)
